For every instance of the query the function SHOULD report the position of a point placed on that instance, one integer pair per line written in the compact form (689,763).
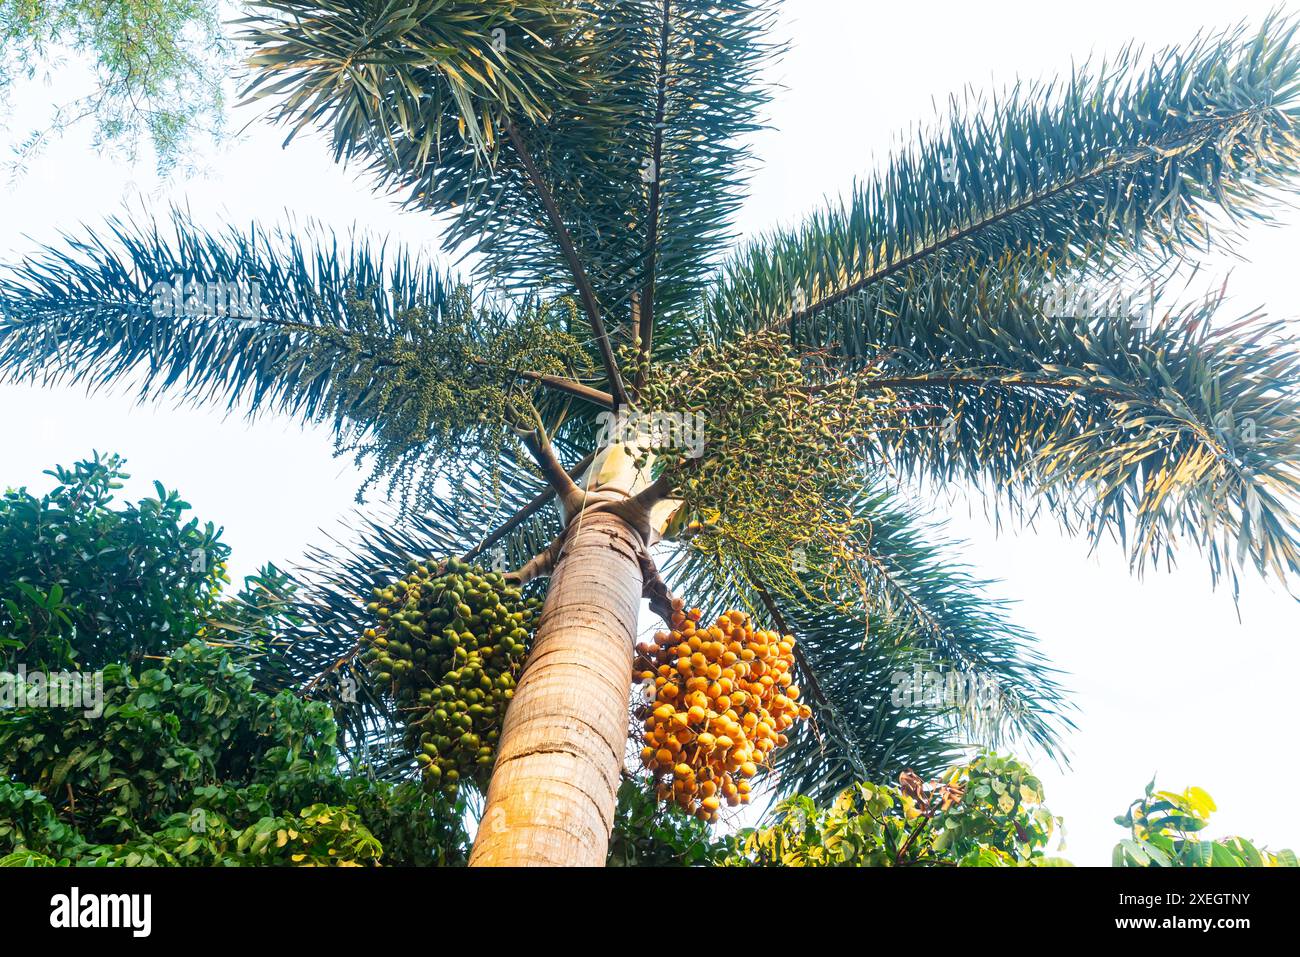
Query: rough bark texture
(555,784)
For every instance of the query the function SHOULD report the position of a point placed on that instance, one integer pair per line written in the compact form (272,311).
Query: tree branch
(647,298)
(585,291)
(539,446)
(649,496)
(570,387)
(541,564)
(655,588)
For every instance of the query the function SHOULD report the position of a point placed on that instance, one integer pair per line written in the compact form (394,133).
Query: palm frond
(411,373)
(941,271)
(1129,161)
(635,118)
(130,302)
(451,67)
(1177,428)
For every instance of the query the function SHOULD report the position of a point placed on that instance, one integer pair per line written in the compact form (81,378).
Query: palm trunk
(560,757)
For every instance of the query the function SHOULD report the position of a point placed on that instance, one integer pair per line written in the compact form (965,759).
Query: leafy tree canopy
(986,813)
(178,756)
(158,68)
(1164,831)
(190,765)
(84,583)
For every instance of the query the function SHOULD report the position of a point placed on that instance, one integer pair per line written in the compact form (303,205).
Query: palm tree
(588,156)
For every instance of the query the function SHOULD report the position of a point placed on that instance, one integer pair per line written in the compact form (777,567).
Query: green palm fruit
(447,644)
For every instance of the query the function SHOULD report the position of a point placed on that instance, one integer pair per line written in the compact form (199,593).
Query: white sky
(1165,677)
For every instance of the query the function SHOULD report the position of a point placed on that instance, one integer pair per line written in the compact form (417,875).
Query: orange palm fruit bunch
(722,699)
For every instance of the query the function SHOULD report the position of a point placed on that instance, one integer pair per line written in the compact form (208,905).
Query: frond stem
(583,283)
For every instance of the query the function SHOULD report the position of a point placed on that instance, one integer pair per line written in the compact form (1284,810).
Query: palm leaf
(84,311)
(1129,161)
(617,91)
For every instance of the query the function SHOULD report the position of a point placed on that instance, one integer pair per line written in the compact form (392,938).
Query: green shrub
(987,813)
(1164,828)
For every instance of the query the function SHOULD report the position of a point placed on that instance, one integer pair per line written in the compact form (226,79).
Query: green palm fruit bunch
(448,644)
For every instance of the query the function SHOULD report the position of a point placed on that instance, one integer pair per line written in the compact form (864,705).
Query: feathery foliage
(412,373)
(945,272)
(158,67)
(1126,161)
(633,113)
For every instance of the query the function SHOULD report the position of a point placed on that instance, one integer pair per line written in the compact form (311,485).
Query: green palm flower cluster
(757,399)
(429,393)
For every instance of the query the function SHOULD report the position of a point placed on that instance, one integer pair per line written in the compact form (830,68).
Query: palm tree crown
(588,158)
